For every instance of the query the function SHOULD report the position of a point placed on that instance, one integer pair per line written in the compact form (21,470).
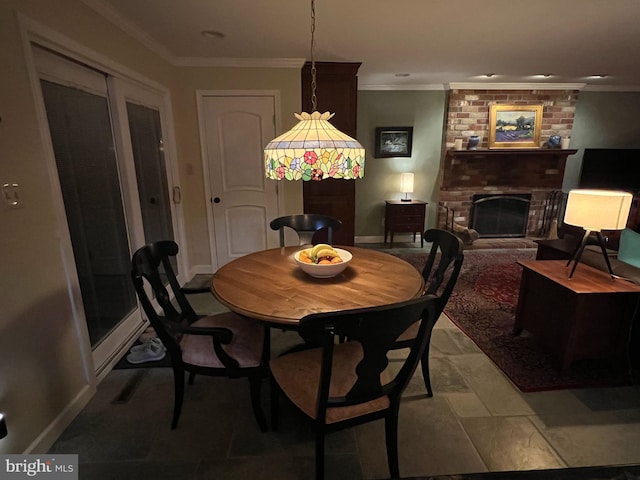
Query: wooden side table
(588,316)
(406,216)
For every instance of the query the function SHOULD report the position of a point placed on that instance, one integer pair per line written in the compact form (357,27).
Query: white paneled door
(242,201)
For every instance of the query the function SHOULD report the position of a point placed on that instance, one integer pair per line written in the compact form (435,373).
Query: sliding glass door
(107,139)
(80,128)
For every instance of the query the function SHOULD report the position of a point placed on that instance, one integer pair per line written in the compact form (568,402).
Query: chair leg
(391,437)
(319,454)
(424,363)
(255,383)
(178,395)
(275,404)
(192,377)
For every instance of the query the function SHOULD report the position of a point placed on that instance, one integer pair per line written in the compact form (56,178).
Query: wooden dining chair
(339,385)
(440,275)
(306,225)
(225,344)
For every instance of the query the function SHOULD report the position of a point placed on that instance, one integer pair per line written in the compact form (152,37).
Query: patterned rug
(483,306)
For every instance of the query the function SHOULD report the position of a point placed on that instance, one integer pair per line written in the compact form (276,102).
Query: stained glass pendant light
(313,149)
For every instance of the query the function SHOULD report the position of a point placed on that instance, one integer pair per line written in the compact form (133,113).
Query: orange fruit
(324,262)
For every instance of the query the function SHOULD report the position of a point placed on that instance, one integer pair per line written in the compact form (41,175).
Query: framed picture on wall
(393,141)
(515,126)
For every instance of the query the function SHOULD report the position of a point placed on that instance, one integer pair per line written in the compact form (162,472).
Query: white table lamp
(596,210)
(406,185)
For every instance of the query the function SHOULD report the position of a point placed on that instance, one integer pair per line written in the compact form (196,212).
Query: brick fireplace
(533,173)
(512,172)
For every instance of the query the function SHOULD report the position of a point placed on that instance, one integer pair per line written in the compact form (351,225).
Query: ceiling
(436,42)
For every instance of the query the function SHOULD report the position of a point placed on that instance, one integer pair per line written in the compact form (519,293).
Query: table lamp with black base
(594,211)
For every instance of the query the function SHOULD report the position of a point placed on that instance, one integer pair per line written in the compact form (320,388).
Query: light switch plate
(12,195)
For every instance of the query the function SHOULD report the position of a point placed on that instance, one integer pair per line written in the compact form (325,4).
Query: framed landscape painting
(393,141)
(515,126)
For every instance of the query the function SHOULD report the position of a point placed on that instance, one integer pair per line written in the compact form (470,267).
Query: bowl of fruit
(322,260)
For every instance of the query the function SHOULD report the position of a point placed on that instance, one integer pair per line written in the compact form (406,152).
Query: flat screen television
(611,168)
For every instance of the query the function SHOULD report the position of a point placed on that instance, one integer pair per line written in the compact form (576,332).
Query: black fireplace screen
(500,215)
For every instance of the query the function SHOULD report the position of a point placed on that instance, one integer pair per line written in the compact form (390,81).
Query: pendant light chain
(313,149)
(314,99)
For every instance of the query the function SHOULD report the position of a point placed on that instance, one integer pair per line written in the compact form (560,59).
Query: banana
(317,248)
(327,252)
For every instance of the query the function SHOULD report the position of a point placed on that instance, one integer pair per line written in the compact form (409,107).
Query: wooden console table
(588,316)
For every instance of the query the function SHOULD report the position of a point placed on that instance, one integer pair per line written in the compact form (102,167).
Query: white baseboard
(201,270)
(408,238)
(50,434)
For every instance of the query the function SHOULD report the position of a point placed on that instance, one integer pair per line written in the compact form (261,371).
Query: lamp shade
(597,210)
(314,150)
(406,183)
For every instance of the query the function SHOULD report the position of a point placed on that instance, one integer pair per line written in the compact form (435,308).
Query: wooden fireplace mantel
(511,152)
(512,167)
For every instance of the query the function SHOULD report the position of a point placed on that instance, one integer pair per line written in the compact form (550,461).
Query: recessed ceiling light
(546,75)
(603,75)
(402,75)
(212,34)
(488,75)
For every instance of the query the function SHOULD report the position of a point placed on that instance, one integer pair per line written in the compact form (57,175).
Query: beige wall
(422,110)
(43,381)
(188,82)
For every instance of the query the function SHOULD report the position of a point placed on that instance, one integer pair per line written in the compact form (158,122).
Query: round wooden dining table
(269,286)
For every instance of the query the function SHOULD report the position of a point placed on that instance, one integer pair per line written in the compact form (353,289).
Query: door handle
(216,200)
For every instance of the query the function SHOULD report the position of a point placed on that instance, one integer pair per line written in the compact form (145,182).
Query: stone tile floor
(476,422)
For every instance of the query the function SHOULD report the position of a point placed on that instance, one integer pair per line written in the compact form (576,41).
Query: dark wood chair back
(372,333)
(376,329)
(197,344)
(440,274)
(153,264)
(443,263)
(306,225)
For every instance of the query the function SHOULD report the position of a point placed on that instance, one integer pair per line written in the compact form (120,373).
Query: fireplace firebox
(500,215)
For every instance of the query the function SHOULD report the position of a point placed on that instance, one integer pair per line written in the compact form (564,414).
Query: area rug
(483,306)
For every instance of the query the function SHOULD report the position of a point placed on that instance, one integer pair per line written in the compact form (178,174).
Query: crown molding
(109,13)
(296,63)
(130,28)
(434,86)
(612,88)
(516,86)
